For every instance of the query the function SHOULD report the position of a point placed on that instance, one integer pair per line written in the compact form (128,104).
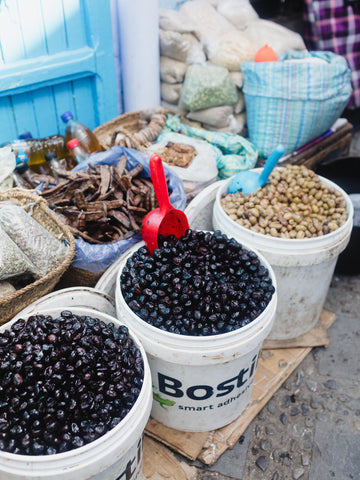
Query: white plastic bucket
(115,455)
(303,267)
(200,383)
(87,297)
(107,282)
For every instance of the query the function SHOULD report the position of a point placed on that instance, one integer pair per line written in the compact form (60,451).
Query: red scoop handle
(159,181)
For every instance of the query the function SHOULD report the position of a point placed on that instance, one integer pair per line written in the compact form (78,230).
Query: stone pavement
(310,429)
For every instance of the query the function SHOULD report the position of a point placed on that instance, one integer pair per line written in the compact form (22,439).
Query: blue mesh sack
(294,100)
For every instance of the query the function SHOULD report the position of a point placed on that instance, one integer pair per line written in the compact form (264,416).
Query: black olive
(203,276)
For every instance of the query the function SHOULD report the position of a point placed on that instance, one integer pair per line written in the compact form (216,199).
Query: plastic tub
(86,297)
(200,383)
(115,455)
(303,267)
(107,282)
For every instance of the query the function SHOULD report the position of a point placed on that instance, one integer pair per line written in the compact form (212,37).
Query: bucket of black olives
(300,222)
(75,397)
(201,306)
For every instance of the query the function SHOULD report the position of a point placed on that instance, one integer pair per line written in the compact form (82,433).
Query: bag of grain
(208,86)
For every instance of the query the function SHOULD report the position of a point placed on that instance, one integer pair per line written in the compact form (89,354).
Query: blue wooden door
(55,56)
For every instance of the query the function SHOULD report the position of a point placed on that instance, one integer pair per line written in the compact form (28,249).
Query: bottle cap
(51,156)
(21,168)
(72,143)
(66,116)
(21,157)
(25,136)
(266,54)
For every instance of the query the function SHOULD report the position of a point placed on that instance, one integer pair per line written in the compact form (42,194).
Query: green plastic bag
(208,86)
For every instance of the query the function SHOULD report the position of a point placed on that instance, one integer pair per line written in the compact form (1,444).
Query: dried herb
(13,261)
(43,250)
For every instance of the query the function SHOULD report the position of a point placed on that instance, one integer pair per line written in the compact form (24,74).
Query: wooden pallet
(277,361)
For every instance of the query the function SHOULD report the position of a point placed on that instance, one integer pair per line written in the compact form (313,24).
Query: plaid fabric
(334,25)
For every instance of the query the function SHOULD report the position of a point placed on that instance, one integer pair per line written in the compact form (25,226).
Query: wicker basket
(14,303)
(133,129)
(78,277)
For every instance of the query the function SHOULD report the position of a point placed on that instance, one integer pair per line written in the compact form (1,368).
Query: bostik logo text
(173,387)
(132,466)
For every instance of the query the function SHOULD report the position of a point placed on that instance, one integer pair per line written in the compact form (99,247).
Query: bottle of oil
(79,153)
(22,173)
(37,148)
(85,136)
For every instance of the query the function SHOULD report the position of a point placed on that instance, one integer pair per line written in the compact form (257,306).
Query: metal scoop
(165,220)
(248,181)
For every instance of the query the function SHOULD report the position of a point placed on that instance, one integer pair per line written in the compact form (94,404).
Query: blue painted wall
(55,55)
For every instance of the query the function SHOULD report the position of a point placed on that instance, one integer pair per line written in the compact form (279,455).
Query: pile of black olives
(201,284)
(64,382)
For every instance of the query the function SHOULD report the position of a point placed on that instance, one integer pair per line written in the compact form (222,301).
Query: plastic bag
(233,126)
(96,258)
(181,47)
(208,86)
(216,116)
(230,165)
(237,78)
(173,45)
(240,104)
(280,38)
(231,50)
(241,119)
(227,143)
(210,26)
(237,12)
(7,165)
(294,100)
(170,92)
(172,71)
(196,54)
(13,262)
(42,249)
(202,171)
(174,21)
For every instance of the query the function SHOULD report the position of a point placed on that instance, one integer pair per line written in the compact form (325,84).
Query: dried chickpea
(293,204)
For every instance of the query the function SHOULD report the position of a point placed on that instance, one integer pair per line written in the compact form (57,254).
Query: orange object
(266,54)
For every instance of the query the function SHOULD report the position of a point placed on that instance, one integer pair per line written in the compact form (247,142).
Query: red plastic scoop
(165,220)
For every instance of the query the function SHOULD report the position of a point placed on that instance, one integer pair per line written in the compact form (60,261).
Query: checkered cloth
(334,25)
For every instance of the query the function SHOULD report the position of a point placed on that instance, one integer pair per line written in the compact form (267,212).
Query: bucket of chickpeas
(300,222)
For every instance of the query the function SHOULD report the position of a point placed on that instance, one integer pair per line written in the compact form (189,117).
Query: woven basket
(133,129)
(74,277)
(14,303)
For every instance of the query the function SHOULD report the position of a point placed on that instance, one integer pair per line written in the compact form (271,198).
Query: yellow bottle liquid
(86,137)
